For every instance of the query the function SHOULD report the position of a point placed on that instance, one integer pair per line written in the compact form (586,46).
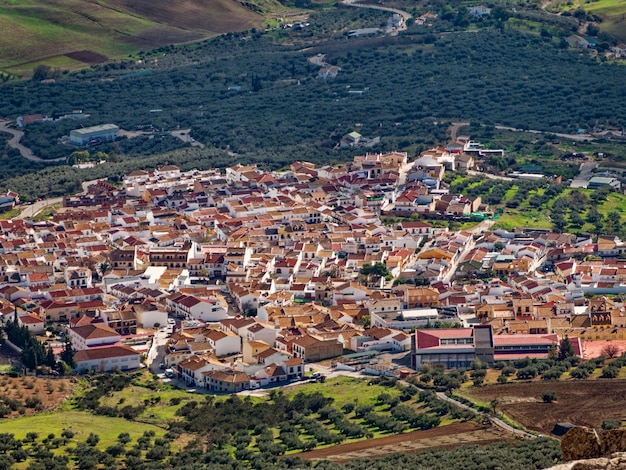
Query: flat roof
(360,354)
(99,128)
(420,313)
(601,180)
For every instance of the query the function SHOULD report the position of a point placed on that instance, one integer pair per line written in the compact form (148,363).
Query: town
(244,278)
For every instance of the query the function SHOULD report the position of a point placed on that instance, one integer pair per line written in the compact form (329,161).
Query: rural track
(497,421)
(14,142)
(404,14)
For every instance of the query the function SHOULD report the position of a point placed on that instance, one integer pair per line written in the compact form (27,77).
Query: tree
(566,349)
(67,355)
(610,351)
(50,359)
(593,216)
(548,396)
(575,219)
(552,354)
(610,372)
(376,269)
(43,72)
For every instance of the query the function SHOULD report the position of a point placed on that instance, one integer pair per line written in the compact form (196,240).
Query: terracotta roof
(105,352)
(95,330)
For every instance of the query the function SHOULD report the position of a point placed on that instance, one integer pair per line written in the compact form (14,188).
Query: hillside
(58,33)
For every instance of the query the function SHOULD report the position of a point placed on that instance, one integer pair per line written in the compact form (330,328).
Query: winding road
(405,15)
(25,152)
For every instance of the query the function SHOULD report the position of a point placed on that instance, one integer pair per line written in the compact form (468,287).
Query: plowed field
(586,403)
(446,436)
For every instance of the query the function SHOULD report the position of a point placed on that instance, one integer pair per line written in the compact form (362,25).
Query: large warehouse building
(96,133)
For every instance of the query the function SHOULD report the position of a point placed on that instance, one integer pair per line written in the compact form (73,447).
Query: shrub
(548,396)
(579,373)
(348,407)
(552,374)
(608,424)
(92,439)
(610,372)
(508,371)
(32,402)
(527,373)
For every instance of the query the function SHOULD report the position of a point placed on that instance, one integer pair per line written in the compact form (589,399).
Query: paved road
(447,277)
(184,135)
(454,130)
(31,210)
(482,226)
(14,142)
(585,171)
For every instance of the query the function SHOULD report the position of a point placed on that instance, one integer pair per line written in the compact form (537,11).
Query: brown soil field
(217,16)
(88,57)
(586,403)
(51,392)
(443,437)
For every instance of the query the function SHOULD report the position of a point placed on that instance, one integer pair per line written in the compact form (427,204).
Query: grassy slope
(82,423)
(613,14)
(32,30)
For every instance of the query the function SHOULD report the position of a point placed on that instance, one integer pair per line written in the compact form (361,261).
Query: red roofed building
(107,358)
(34,324)
(511,347)
(457,348)
(94,334)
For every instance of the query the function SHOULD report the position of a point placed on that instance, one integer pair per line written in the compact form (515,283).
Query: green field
(342,390)
(159,411)
(528,219)
(612,13)
(81,423)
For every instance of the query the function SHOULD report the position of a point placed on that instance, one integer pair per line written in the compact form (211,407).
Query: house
(294,367)
(94,334)
(223,343)
(226,381)
(106,359)
(421,297)
(311,349)
(77,277)
(149,314)
(189,306)
(123,321)
(479,11)
(34,324)
(252,349)
(191,369)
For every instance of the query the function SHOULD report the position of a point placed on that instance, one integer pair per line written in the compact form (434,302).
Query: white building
(107,358)
(94,334)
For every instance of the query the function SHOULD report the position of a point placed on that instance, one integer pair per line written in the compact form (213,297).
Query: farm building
(102,132)
(600,181)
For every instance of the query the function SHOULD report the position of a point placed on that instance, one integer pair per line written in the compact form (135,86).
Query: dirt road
(405,15)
